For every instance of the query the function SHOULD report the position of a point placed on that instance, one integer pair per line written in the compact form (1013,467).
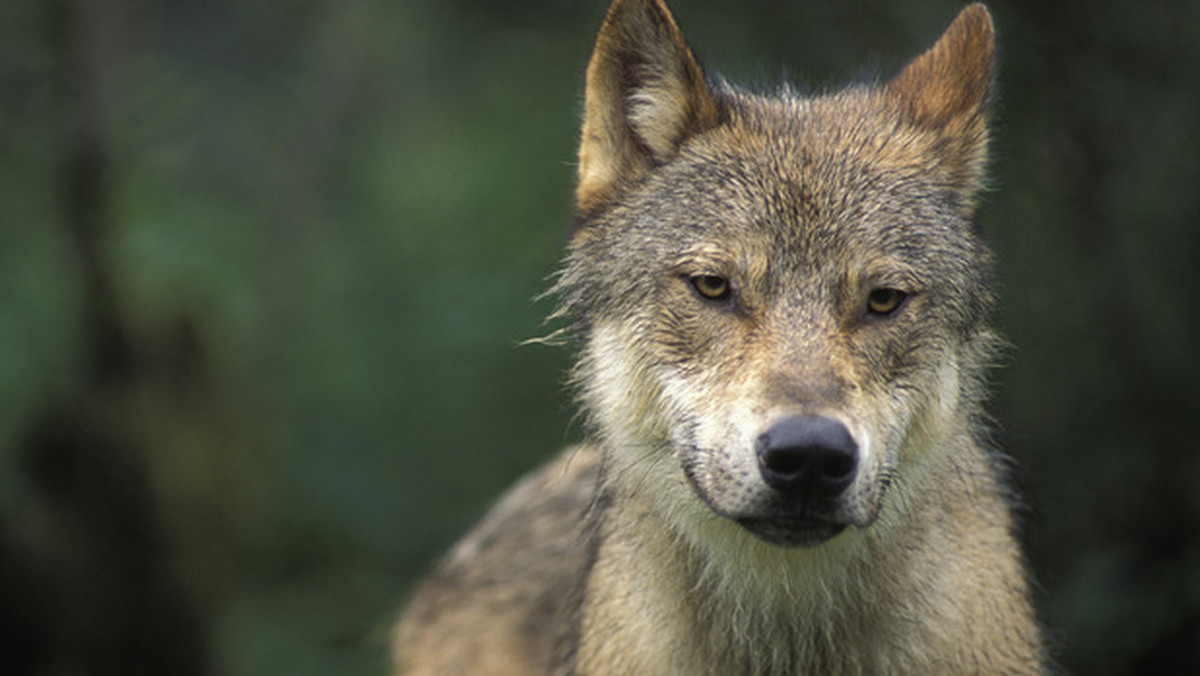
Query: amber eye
(712,287)
(884,302)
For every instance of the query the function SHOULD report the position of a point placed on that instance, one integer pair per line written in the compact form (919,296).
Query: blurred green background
(264,267)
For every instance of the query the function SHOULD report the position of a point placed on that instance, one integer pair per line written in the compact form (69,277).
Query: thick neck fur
(731,604)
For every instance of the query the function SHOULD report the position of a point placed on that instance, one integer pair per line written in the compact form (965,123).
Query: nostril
(839,466)
(782,462)
(807,455)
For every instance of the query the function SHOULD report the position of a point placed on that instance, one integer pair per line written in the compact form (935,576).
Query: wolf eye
(883,302)
(712,287)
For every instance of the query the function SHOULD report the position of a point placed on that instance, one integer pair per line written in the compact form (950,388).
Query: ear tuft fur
(949,84)
(946,91)
(645,95)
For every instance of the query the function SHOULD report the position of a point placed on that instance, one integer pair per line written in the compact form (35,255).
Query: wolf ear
(951,80)
(645,95)
(947,88)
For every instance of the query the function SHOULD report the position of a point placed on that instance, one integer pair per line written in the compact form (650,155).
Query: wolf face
(781,309)
(782,300)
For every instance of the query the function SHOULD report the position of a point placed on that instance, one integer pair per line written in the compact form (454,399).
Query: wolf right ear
(645,95)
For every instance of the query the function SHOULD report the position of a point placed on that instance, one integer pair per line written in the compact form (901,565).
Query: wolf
(781,310)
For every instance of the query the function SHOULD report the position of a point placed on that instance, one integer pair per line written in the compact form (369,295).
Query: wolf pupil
(885,301)
(711,287)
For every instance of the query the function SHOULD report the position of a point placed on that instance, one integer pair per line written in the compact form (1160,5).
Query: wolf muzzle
(807,457)
(808,464)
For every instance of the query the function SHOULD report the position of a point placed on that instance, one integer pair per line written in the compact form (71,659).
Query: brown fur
(658,547)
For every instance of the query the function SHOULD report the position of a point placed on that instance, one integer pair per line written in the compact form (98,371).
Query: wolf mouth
(780,522)
(787,531)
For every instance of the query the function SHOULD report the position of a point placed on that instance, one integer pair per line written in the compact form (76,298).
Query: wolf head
(781,301)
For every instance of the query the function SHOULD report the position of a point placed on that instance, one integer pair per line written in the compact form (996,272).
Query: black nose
(807,455)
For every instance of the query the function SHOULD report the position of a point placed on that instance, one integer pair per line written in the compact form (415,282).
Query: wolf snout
(807,456)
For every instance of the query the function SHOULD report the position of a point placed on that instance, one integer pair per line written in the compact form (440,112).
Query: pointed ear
(645,95)
(946,91)
(948,85)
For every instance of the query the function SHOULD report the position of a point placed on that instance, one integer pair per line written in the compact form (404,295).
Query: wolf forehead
(843,165)
(791,178)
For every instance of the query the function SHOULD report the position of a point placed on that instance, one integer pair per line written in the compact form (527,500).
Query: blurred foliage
(264,267)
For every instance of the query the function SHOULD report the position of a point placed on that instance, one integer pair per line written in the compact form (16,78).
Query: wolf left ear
(946,89)
(645,95)
(949,83)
